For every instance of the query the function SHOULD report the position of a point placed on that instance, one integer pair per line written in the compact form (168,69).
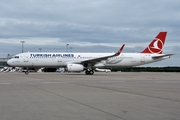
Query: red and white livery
(89,61)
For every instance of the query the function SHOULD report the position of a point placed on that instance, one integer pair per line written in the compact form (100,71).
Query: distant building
(3,62)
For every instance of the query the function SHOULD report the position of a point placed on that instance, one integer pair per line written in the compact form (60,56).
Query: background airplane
(103,70)
(75,62)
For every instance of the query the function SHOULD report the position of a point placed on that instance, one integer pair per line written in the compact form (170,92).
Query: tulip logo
(156,46)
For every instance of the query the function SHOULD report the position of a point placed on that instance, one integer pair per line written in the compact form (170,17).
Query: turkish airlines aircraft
(88,61)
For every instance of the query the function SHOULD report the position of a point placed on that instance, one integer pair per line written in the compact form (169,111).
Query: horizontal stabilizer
(161,56)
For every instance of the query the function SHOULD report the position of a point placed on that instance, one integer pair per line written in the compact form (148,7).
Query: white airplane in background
(103,70)
(88,61)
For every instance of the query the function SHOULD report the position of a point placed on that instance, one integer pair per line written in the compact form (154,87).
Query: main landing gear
(89,72)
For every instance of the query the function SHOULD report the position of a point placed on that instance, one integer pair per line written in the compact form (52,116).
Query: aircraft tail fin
(156,46)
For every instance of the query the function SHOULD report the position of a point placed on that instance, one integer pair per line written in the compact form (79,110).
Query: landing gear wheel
(89,72)
(26,72)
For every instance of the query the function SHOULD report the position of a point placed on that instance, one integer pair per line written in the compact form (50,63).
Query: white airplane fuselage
(88,61)
(40,59)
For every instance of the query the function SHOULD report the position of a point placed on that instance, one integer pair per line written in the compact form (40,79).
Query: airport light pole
(67,47)
(22,45)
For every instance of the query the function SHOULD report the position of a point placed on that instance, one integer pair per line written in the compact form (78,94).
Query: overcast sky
(89,26)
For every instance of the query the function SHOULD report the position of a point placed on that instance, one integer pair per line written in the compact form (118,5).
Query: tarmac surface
(102,96)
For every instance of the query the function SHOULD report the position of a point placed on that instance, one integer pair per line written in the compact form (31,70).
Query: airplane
(103,70)
(75,62)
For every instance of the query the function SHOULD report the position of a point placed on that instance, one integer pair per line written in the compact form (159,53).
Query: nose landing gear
(26,72)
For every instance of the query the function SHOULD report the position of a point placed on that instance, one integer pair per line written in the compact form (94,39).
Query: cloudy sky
(89,26)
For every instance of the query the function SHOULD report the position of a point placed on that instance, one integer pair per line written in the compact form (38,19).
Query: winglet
(120,50)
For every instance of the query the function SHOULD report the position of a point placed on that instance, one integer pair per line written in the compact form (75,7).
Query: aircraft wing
(161,56)
(95,60)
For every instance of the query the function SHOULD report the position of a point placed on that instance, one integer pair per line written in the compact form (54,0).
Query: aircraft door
(26,58)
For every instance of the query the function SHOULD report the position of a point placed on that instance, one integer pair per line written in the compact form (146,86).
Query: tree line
(147,69)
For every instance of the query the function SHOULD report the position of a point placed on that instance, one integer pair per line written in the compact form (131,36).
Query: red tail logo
(156,46)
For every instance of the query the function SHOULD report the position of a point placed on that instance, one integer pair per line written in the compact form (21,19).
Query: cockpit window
(17,57)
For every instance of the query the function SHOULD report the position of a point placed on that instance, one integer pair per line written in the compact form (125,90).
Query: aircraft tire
(87,72)
(91,72)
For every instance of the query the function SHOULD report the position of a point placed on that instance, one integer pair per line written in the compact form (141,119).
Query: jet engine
(75,67)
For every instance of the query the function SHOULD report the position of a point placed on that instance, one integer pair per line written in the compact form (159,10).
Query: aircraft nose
(9,62)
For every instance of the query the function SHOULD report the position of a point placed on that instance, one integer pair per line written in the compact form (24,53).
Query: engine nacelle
(75,67)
